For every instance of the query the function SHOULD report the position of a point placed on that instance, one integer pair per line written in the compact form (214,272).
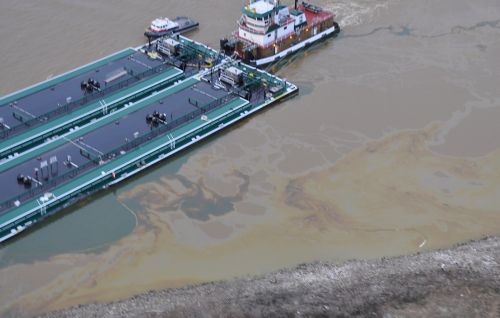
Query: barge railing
(68,107)
(95,161)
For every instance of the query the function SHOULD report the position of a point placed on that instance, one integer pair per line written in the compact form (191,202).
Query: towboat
(269,31)
(164,26)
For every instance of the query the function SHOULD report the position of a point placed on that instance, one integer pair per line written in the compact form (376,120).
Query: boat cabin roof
(258,9)
(163,23)
(296,12)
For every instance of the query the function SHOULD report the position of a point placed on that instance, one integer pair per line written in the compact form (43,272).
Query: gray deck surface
(107,137)
(44,100)
(111,145)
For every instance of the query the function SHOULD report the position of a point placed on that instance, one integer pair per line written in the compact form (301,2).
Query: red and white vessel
(269,31)
(164,26)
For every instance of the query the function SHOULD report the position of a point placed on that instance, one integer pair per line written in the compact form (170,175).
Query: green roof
(295,12)
(272,28)
(301,25)
(255,15)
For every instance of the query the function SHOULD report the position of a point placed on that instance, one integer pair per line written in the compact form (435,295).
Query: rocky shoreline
(463,281)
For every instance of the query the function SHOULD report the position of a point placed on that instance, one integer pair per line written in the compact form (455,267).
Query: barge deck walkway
(48,129)
(107,170)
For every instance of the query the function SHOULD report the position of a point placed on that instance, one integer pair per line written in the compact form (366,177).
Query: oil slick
(332,213)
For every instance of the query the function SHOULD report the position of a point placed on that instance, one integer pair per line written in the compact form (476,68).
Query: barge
(269,32)
(149,102)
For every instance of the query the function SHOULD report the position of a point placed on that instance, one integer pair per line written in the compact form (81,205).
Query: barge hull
(261,63)
(25,220)
(200,106)
(27,141)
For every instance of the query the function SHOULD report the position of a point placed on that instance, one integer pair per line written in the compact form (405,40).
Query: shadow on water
(88,226)
(200,207)
(97,221)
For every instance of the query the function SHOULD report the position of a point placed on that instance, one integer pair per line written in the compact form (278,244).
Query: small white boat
(164,26)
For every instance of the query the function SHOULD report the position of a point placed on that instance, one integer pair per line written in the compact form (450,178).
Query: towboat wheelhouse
(268,31)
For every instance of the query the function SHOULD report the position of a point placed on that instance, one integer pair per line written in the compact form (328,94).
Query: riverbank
(463,281)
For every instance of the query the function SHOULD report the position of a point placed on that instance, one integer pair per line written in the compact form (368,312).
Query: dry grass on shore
(460,282)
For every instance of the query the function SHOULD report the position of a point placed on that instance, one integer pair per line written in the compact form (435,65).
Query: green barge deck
(77,161)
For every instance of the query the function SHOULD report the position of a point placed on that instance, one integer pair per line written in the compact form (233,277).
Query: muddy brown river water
(392,147)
